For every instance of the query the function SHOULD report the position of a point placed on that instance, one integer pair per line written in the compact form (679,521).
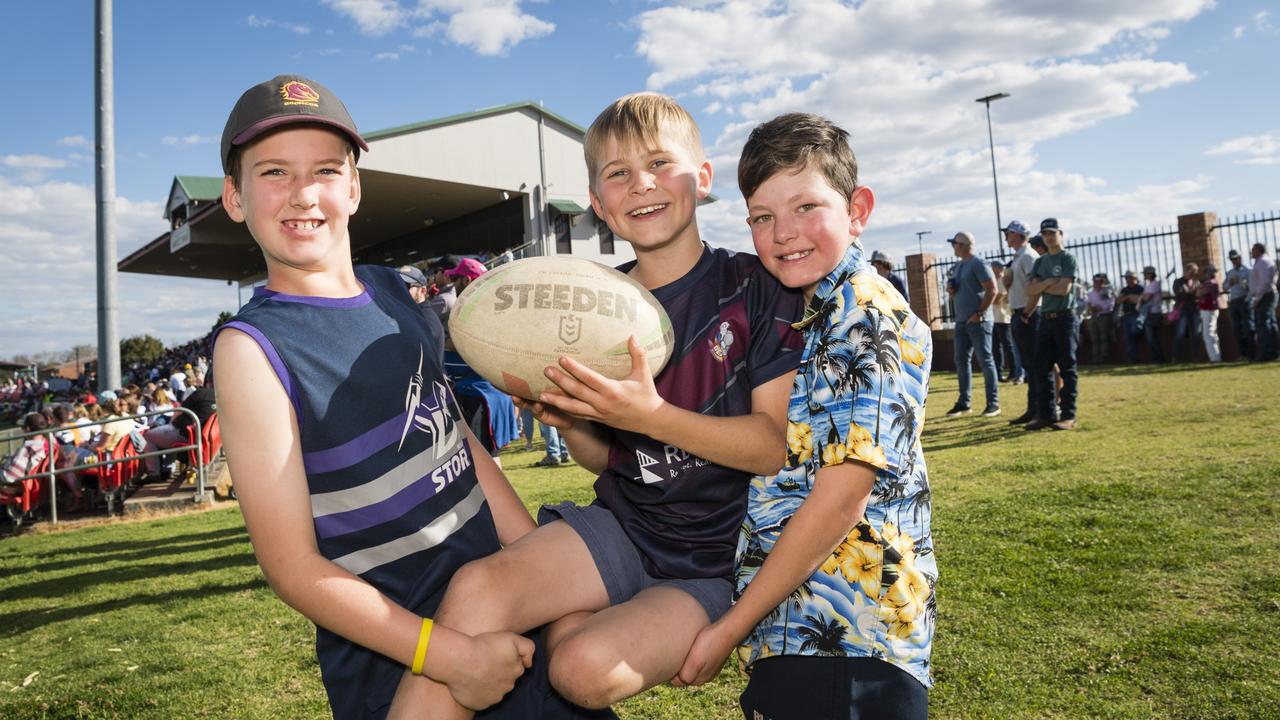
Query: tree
(224,317)
(140,349)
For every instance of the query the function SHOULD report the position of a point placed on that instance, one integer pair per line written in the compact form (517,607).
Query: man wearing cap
(416,282)
(883,263)
(1056,338)
(1131,318)
(1101,303)
(1024,324)
(1237,287)
(1262,299)
(973,289)
(1152,310)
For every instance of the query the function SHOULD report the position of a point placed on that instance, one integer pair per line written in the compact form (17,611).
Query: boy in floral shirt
(836,567)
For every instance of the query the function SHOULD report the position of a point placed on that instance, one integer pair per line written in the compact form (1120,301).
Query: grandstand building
(504,178)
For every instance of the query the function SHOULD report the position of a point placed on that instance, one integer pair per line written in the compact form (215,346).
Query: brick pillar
(1199,240)
(922,284)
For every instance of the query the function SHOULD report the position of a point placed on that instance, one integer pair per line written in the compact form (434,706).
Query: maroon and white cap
(285,100)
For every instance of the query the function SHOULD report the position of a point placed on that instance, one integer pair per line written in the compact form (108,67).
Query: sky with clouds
(1122,114)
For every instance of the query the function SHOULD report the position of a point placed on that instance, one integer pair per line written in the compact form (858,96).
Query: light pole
(920,238)
(991,140)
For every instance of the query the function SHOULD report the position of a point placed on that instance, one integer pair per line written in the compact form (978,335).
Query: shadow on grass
(13,624)
(966,431)
(1163,369)
(69,586)
(141,554)
(137,545)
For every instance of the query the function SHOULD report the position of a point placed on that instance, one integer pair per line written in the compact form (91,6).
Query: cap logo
(299,93)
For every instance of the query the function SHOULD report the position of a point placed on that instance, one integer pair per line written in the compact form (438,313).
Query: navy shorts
(619,562)
(800,687)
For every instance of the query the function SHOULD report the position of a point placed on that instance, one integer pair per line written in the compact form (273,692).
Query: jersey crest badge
(721,343)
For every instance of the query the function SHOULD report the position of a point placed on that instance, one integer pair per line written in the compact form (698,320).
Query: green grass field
(1125,570)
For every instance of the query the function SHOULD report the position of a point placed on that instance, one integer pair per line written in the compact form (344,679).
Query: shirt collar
(854,261)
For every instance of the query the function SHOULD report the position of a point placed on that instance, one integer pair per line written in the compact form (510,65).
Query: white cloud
(902,76)
(49,233)
(489,27)
(387,56)
(77,141)
(32,167)
(1258,149)
(1237,32)
(192,139)
(255,21)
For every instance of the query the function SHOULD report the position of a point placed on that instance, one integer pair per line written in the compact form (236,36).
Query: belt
(1056,314)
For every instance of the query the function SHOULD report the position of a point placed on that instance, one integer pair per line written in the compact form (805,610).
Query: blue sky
(1123,114)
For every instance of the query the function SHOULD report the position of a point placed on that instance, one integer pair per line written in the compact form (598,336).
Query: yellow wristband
(424,639)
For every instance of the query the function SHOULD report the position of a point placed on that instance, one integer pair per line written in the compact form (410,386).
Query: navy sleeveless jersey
(394,494)
(732,323)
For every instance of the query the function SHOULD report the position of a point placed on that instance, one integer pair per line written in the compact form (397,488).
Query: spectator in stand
(1128,310)
(1024,324)
(1153,310)
(1237,287)
(443,293)
(28,457)
(1262,299)
(1002,332)
(883,263)
(1187,329)
(1207,302)
(160,402)
(1101,302)
(203,403)
(178,383)
(1052,278)
(419,290)
(973,288)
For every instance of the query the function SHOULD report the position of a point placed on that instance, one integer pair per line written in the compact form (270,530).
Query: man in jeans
(1236,285)
(1024,324)
(1056,340)
(1262,298)
(973,288)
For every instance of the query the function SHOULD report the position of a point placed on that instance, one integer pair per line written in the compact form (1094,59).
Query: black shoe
(959,409)
(991,411)
(1023,419)
(547,461)
(1039,424)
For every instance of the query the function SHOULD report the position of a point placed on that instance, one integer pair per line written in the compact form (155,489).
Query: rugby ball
(515,320)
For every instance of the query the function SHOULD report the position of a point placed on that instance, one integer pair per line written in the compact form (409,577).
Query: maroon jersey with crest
(732,324)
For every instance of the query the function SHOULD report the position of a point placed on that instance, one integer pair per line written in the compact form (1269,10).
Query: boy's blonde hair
(640,119)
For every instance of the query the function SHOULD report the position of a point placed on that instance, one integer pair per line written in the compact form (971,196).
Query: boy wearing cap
(360,486)
(1237,286)
(1050,289)
(973,289)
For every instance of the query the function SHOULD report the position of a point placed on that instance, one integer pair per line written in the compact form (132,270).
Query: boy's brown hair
(639,119)
(792,142)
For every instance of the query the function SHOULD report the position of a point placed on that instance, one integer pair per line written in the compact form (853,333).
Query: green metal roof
(566,207)
(200,188)
(464,117)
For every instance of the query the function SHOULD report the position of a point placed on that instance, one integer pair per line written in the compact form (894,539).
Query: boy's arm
(265,456)
(587,441)
(509,514)
(755,443)
(825,518)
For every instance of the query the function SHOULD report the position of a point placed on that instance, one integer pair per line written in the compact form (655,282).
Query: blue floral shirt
(859,395)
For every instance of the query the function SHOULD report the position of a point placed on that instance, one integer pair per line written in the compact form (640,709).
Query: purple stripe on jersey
(355,450)
(397,505)
(273,357)
(364,298)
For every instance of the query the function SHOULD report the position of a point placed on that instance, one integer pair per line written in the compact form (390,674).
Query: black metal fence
(1241,232)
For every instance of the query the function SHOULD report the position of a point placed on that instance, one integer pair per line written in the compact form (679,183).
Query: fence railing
(1239,233)
(50,435)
